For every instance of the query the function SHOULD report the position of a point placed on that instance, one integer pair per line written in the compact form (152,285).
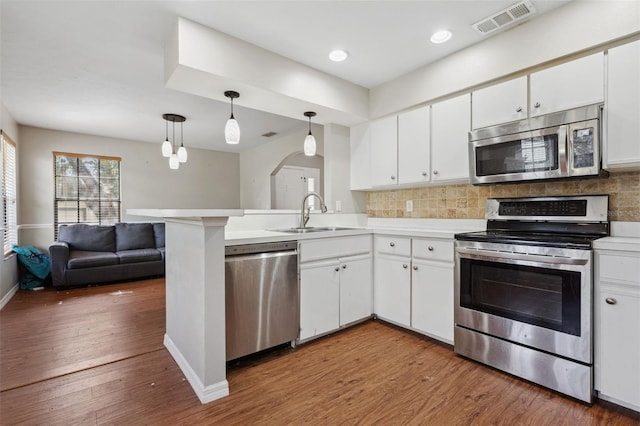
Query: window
(87,189)
(9,192)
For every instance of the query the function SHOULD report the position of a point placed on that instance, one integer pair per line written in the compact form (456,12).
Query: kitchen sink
(313,229)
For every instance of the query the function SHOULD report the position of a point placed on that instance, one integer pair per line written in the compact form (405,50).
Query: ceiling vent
(269,134)
(508,16)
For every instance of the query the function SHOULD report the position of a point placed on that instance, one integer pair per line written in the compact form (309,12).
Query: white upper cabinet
(413,146)
(622,109)
(569,85)
(500,103)
(384,151)
(450,125)
(360,164)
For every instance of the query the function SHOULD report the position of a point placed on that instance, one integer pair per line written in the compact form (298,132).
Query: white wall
(578,26)
(257,164)
(210,179)
(9,265)
(337,171)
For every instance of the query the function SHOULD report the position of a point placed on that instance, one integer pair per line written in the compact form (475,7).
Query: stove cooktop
(583,242)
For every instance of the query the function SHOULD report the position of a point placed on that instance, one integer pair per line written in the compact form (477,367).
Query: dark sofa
(93,254)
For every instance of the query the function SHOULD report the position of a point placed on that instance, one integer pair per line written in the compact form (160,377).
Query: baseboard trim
(8,296)
(204,394)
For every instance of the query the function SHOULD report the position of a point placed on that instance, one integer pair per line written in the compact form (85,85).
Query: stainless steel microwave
(559,145)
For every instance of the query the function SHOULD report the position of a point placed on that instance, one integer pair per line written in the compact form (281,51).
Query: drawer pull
(430,248)
(404,266)
(337,268)
(392,244)
(415,268)
(519,109)
(536,105)
(610,301)
(344,266)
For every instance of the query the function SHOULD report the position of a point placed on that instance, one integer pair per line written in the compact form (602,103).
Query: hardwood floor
(97,358)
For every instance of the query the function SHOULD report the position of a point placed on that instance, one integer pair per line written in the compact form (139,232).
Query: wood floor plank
(372,373)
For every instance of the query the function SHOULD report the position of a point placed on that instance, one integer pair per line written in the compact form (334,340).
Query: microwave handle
(564,156)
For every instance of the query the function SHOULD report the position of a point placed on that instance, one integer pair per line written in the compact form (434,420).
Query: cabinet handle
(337,268)
(435,172)
(424,173)
(393,178)
(610,301)
(344,266)
(405,266)
(430,248)
(392,244)
(519,109)
(536,105)
(415,268)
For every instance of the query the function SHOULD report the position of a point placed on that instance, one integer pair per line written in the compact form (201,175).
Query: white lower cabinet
(413,284)
(617,327)
(335,284)
(432,299)
(392,289)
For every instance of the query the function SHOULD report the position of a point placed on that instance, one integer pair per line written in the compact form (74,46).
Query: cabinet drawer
(400,246)
(334,247)
(433,249)
(619,267)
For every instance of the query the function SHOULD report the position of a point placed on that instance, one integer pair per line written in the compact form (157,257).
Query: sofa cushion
(79,259)
(81,236)
(158,232)
(132,236)
(139,255)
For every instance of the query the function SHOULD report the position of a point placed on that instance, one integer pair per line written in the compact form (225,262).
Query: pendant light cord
(173,141)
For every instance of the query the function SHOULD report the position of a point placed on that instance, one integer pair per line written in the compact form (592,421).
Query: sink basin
(313,229)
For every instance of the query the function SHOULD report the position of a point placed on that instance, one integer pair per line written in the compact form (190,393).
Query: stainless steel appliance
(523,290)
(559,145)
(261,296)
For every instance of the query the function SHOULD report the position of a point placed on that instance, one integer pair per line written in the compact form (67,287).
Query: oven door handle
(496,255)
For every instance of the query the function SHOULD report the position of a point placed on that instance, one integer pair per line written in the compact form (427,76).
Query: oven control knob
(610,301)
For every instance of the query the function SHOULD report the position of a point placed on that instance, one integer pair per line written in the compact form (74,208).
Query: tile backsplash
(468,202)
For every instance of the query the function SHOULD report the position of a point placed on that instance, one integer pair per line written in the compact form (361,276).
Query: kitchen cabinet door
(432,299)
(384,151)
(392,289)
(622,109)
(569,85)
(356,290)
(360,138)
(617,326)
(413,146)
(319,298)
(500,103)
(450,125)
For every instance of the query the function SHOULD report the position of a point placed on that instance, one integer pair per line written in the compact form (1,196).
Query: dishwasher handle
(248,249)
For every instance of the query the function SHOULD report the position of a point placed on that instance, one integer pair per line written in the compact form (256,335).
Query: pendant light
(309,141)
(175,158)
(231,129)
(166,145)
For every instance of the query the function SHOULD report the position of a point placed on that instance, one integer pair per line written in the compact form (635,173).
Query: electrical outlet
(338,206)
(409,206)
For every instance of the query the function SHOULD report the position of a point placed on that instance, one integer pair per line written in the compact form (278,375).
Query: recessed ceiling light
(338,55)
(441,36)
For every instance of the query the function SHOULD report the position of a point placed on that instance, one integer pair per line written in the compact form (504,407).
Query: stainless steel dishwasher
(261,296)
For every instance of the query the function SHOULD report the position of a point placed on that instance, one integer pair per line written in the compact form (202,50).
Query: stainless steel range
(523,290)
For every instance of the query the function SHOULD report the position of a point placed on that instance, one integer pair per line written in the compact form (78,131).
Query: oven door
(534,155)
(539,297)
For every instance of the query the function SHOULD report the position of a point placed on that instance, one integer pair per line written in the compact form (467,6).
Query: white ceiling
(96,67)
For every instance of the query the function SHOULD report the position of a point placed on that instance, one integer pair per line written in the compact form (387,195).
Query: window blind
(87,189)
(9,193)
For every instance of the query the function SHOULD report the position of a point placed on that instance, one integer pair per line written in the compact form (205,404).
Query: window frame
(9,195)
(79,196)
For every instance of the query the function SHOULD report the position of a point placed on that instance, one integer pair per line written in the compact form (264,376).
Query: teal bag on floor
(36,263)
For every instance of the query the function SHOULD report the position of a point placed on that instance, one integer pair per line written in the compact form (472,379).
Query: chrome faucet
(304,216)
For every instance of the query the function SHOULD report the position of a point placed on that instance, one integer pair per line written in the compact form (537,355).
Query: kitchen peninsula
(195,295)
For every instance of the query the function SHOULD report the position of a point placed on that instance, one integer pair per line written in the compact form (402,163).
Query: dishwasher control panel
(260,248)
